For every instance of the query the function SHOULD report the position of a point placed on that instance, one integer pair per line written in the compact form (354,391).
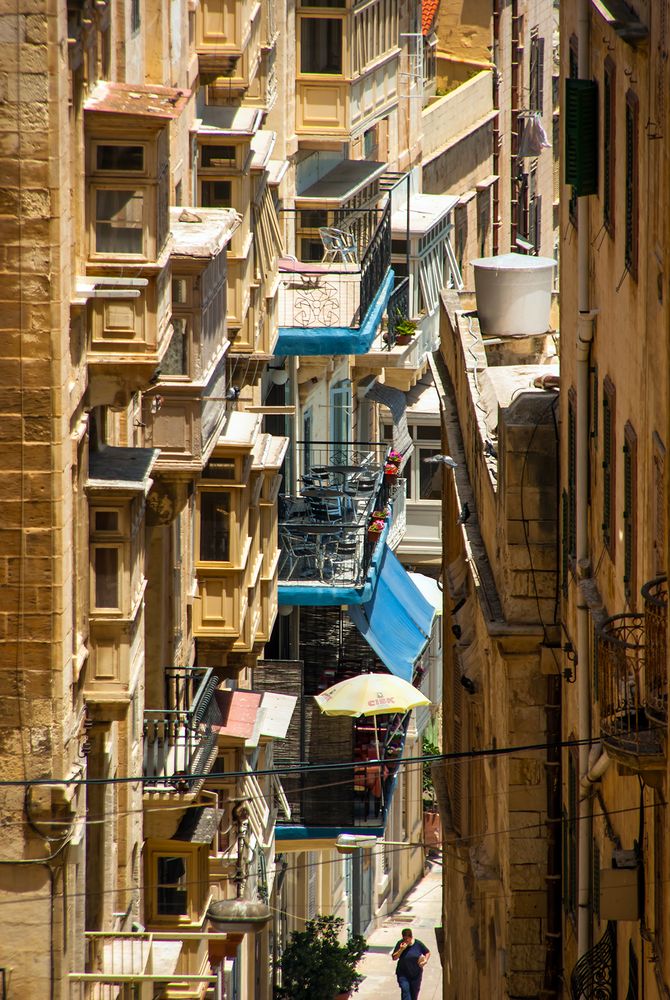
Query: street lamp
(347,843)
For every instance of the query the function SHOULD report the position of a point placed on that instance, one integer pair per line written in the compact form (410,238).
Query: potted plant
(375,529)
(316,965)
(404,330)
(393,458)
(391,471)
(380,515)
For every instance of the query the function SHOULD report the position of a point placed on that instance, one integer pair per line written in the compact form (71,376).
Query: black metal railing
(620,666)
(376,262)
(325,533)
(179,740)
(594,975)
(655,594)
(396,310)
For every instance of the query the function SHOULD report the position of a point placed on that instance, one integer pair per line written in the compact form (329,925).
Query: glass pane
(215,527)
(120,158)
(320,45)
(118,227)
(217,156)
(174,359)
(430,475)
(172,891)
(217,194)
(106,520)
(106,578)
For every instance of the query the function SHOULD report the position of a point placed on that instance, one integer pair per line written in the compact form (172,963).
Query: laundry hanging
(533,137)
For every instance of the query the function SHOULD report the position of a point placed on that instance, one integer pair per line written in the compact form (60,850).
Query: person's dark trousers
(409,988)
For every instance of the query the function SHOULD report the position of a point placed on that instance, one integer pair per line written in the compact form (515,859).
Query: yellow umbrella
(370,694)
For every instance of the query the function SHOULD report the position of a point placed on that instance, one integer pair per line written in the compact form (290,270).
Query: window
(214,526)
(630,513)
(106,520)
(609,468)
(171,886)
(424,478)
(483,221)
(119,158)
(119,221)
(340,408)
(321,45)
(135,16)
(106,577)
(177,881)
(307,439)
(632,108)
(216,194)
(536,71)
(609,144)
(573,73)
(217,156)
(175,359)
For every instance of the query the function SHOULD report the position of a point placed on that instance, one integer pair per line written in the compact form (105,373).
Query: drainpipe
(585,320)
(598,764)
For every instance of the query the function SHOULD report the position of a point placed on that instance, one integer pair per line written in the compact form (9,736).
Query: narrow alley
(420,910)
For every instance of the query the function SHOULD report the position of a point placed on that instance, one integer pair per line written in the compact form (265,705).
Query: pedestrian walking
(411,956)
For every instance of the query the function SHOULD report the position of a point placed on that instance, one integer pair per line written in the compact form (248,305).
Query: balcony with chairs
(327,539)
(332,302)
(624,724)
(179,740)
(655,594)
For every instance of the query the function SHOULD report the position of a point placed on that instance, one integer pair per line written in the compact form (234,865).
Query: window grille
(608,465)
(631,186)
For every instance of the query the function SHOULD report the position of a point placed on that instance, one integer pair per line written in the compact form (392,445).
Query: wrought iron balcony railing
(621,661)
(655,594)
(179,741)
(338,290)
(594,975)
(396,310)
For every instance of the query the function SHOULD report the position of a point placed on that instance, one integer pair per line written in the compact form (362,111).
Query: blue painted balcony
(329,556)
(334,303)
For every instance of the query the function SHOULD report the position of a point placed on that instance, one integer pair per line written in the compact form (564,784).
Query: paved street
(420,910)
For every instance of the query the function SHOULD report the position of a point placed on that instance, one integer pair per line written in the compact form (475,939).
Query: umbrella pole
(381,771)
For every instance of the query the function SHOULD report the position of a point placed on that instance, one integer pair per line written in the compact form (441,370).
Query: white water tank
(513,294)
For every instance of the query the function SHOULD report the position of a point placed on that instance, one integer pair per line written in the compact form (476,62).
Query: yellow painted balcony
(228,42)
(655,594)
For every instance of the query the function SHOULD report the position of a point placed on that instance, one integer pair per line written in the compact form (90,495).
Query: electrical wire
(291,769)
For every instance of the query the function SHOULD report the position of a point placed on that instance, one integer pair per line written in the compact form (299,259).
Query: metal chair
(338,244)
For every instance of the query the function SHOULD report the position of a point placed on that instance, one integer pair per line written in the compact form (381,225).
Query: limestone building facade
(614,390)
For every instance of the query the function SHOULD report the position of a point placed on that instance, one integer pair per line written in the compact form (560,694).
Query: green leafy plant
(405,327)
(429,749)
(315,965)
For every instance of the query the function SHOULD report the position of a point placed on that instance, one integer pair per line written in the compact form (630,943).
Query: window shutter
(565,543)
(595,887)
(456,769)
(608,464)
(627,516)
(631,183)
(581,136)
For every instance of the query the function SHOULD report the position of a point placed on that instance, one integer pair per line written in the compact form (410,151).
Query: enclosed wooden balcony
(655,594)
(624,726)
(228,42)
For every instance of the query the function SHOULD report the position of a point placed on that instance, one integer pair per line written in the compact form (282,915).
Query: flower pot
(402,339)
(342,996)
(391,476)
(373,536)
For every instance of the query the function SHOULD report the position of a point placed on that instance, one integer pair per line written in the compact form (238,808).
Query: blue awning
(397,620)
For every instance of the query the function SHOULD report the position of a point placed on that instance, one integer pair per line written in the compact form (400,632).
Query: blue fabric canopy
(397,620)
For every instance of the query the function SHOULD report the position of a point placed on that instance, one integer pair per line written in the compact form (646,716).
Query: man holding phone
(411,956)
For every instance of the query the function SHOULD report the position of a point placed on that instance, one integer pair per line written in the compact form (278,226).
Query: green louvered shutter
(581,136)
